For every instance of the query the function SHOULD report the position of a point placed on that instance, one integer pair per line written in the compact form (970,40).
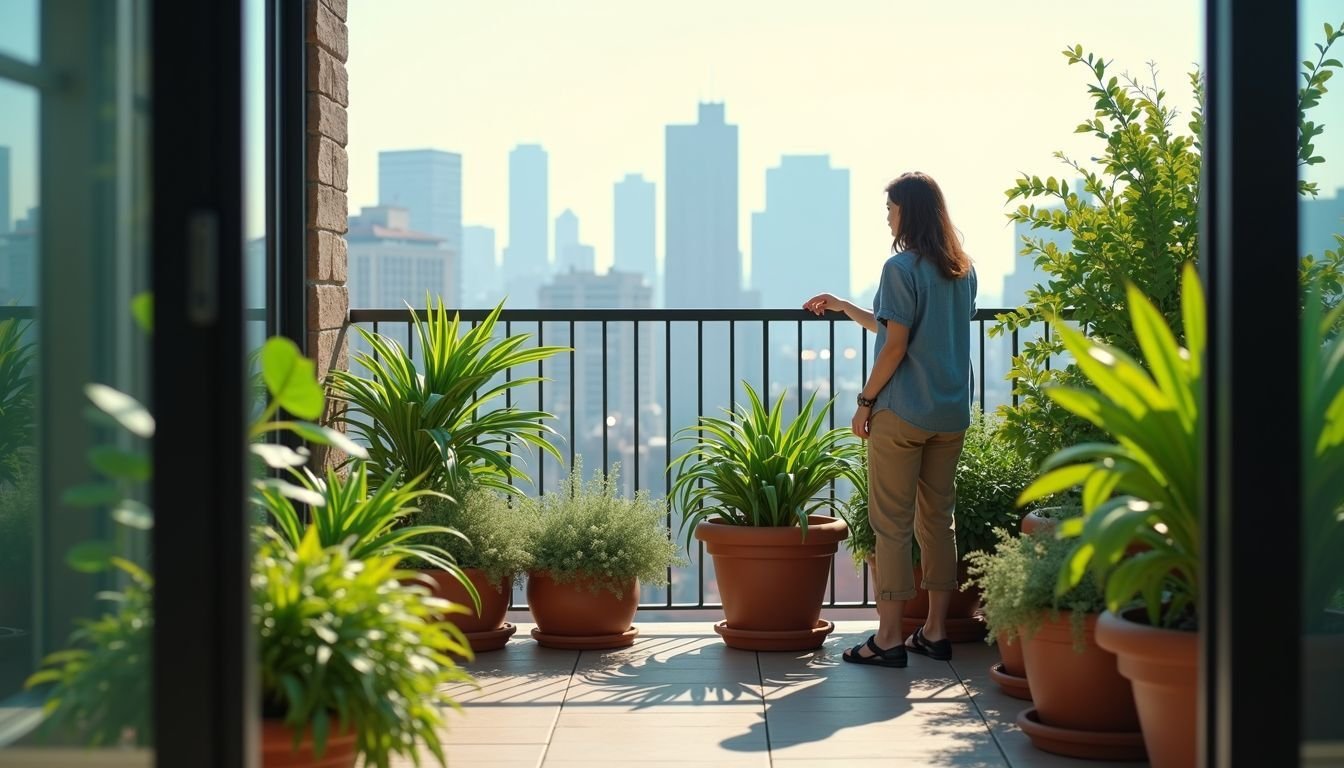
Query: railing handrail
(627,315)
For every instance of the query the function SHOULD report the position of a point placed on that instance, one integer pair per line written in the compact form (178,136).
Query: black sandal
(940,650)
(891,657)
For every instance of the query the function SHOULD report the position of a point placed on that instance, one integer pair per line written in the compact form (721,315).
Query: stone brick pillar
(327,171)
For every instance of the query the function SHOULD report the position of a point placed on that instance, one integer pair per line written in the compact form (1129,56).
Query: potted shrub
(752,490)
(436,421)
(591,548)
(354,662)
(1144,489)
(489,541)
(990,476)
(1084,707)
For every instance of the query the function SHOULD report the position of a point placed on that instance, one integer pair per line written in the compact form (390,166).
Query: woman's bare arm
(822,302)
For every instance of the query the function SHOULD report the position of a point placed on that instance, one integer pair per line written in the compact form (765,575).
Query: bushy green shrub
(492,534)
(1017,582)
(587,531)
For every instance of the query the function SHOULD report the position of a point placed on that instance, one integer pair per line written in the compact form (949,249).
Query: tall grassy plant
(750,470)
(16,393)
(434,423)
(369,523)
(1146,487)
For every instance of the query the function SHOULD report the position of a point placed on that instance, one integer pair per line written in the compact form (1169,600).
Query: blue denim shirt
(932,386)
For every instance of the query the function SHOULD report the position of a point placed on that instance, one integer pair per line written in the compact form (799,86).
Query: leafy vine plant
(1138,221)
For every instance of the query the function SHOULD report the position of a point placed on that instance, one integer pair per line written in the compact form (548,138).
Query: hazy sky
(971,92)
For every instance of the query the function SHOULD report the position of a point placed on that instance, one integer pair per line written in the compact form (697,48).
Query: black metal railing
(683,363)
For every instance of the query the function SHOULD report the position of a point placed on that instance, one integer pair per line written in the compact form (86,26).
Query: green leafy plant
(344,645)
(490,534)
(1146,487)
(1139,221)
(97,689)
(751,470)
(369,523)
(435,423)
(990,477)
(1017,581)
(1322,462)
(16,394)
(588,531)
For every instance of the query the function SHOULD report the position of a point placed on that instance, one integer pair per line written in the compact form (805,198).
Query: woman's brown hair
(925,227)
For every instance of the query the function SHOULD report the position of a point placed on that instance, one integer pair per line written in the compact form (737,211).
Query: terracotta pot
(772,580)
(1011,655)
(1010,673)
(1077,691)
(278,751)
(574,614)
(487,631)
(1032,522)
(1322,681)
(1162,666)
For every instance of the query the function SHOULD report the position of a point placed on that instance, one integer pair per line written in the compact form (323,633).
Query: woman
(914,412)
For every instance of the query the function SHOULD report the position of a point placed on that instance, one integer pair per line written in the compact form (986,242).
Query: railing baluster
(606,409)
(983,404)
(635,407)
(667,439)
(541,407)
(1014,357)
(573,396)
(700,409)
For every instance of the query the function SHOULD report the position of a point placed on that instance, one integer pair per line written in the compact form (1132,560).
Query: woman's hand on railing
(822,302)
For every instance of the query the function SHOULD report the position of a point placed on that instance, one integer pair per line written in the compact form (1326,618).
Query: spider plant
(750,470)
(434,423)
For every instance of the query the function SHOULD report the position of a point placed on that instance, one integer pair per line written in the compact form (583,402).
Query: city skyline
(628,71)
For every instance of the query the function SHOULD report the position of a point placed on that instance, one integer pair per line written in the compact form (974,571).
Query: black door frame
(205,669)
(1249,713)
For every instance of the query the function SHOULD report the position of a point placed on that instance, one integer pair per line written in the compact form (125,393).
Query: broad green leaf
(142,309)
(117,464)
(92,495)
(133,514)
(291,378)
(126,410)
(279,456)
(90,556)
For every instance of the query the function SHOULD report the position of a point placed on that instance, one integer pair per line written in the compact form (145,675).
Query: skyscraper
(527,260)
(635,217)
(428,184)
(480,271)
(703,263)
(390,263)
(5,213)
(800,242)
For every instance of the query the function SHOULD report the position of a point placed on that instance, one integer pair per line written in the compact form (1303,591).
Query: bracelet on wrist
(866,402)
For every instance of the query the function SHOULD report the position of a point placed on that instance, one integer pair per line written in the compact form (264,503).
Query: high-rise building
(800,242)
(480,270)
(527,260)
(571,255)
(616,365)
(635,236)
(391,264)
(427,183)
(703,263)
(5,213)
(1321,218)
(18,262)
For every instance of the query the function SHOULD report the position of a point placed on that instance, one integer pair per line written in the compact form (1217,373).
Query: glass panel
(18,30)
(73,259)
(1321,227)
(256,277)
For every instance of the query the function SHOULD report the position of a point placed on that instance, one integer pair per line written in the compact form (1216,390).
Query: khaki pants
(912,485)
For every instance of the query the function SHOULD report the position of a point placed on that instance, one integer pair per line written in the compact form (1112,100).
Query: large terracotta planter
(278,751)
(1081,692)
(486,631)
(1162,666)
(575,615)
(964,622)
(772,582)
(1010,674)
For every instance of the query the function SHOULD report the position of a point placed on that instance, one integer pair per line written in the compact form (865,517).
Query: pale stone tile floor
(679,697)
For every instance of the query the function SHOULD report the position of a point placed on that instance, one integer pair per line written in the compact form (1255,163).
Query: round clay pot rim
(822,627)
(1029,720)
(581,582)
(551,637)
(506,629)
(820,530)
(1156,647)
(1060,630)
